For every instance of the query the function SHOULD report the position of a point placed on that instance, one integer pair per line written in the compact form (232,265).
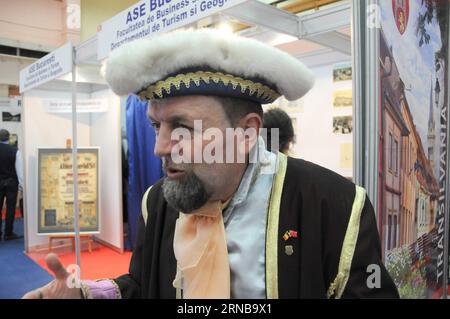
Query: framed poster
(342,72)
(55,191)
(343,125)
(342,98)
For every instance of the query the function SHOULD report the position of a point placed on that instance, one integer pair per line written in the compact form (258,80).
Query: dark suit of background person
(10,180)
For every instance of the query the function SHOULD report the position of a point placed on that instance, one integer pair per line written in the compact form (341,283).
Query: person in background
(277,118)
(11,180)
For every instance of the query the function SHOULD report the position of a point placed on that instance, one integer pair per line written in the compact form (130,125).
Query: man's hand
(58,288)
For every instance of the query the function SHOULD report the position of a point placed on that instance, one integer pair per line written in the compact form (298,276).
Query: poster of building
(342,98)
(55,191)
(11,117)
(413,64)
(342,125)
(342,72)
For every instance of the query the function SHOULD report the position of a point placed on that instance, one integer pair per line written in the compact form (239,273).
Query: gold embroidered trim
(349,245)
(272,229)
(193,78)
(85,291)
(118,293)
(178,275)
(144,205)
(178,294)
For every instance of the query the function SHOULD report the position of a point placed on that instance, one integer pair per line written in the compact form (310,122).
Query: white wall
(36,21)
(42,129)
(10,69)
(105,133)
(315,140)
(39,24)
(4,90)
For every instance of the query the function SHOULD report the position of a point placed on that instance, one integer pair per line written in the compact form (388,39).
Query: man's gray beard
(186,194)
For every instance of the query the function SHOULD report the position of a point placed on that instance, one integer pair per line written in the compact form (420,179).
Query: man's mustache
(168,164)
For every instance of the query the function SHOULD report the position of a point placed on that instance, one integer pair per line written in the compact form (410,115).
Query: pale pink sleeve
(100,289)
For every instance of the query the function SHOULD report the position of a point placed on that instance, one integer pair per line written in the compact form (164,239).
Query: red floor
(103,262)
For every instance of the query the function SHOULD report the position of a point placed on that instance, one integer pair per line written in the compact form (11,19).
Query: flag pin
(290,234)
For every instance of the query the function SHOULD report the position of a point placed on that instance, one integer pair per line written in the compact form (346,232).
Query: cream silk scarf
(200,247)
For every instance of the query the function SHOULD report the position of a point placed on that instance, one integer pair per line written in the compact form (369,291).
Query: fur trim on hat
(140,63)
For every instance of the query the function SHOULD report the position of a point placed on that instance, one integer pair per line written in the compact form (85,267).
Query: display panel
(413,64)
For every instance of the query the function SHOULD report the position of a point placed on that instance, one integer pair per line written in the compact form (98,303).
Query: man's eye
(184,126)
(156,126)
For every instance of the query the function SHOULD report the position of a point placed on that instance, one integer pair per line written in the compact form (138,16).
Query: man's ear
(251,124)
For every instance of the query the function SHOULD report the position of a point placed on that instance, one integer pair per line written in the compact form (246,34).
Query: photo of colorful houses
(413,65)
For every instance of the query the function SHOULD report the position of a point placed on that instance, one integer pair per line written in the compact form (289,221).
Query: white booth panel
(106,134)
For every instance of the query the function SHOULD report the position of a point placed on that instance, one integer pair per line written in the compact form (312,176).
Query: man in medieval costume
(267,226)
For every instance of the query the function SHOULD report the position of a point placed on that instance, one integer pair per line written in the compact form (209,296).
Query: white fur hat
(206,62)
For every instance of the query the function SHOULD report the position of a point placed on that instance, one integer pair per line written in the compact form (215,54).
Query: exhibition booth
(47,130)
(368,118)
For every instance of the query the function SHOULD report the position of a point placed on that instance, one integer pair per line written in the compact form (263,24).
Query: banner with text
(149,17)
(51,66)
(83,106)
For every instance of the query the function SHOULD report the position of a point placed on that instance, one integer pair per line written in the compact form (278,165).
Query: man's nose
(163,144)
